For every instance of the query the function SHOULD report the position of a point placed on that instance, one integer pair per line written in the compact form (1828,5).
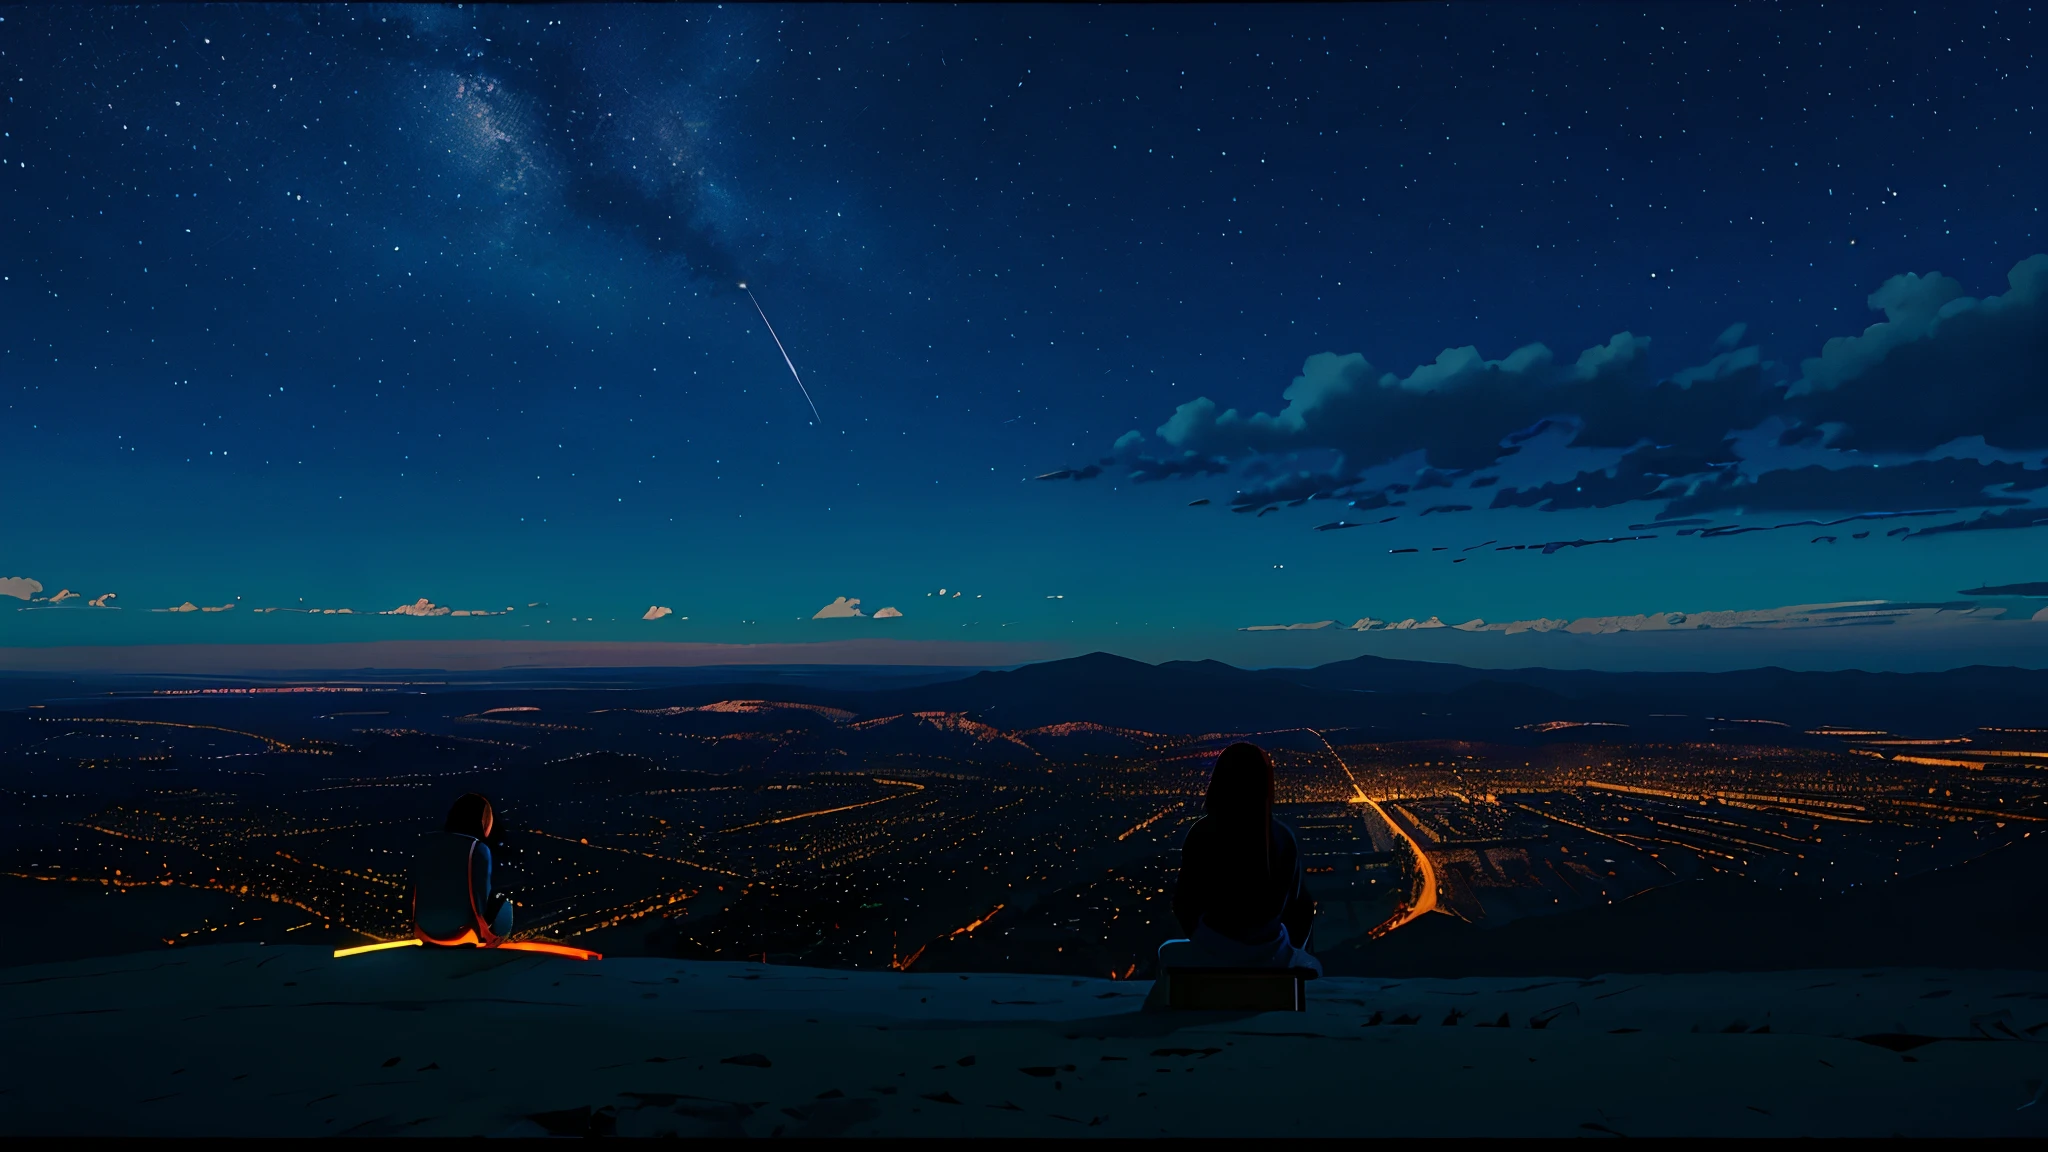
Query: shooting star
(785,354)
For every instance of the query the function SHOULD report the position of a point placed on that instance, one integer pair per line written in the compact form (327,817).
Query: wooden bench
(1238,989)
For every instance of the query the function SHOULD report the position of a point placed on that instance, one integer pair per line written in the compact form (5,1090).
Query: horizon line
(484,655)
(409,657)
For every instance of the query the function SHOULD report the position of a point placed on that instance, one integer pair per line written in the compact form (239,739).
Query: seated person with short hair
(452,901)
(1241,896)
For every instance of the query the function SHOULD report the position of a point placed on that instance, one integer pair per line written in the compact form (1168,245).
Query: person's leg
(1171,952)
(1301,921)
(1160,998)
(501,924)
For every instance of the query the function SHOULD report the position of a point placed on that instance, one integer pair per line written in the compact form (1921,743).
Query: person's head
(471,815)
(1241,786)
(1241,799)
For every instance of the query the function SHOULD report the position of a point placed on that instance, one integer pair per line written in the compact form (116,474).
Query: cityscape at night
(823,830)
(1430,568)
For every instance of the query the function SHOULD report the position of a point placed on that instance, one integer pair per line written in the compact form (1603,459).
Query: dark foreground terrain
(244,1040)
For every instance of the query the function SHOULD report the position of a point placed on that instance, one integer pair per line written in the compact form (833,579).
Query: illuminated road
(1147,822)
(1425,901)
(584,842)
(276,745)
(903,964)
(915,788)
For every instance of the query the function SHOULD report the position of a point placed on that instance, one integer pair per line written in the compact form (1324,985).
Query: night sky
(349,307)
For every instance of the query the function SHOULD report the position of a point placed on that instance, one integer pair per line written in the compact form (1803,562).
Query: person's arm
(1300,914)
(482,903)
(1190,890)
(502,847)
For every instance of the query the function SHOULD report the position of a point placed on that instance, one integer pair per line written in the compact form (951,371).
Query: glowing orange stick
(511,946)
(550,949)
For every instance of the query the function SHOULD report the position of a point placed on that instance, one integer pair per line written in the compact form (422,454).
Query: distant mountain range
(1394,699)
(1391,699)
(1415,698)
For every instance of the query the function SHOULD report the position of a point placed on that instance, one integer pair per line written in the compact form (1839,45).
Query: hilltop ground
(254,1040)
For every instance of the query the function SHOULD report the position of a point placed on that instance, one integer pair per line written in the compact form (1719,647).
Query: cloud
(1644,474)
(1718,531)
(840,608)
(1147,468)
(420,607)
(656,612)
(1550,547)
(1726,364)
(1294,488)
(1941,369)
(1312,626)
(1992,521)
(19,587)
(1918,484)
(1540,624)
(1461,409)
(1839,614)
(888,614)
(187,606)
(1129,451)
(1464,412)
(1941,365)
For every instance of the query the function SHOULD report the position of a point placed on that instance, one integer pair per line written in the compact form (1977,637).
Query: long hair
(1241,799)
(471,815)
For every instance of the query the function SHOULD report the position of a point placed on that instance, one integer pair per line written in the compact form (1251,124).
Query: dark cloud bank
(1940,367)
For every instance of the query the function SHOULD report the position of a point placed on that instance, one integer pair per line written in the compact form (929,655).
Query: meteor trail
(785,355)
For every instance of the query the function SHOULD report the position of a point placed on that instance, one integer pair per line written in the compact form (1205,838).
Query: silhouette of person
(452,901)
(1241,896)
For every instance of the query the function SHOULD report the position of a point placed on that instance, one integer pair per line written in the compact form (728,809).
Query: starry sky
(358,307)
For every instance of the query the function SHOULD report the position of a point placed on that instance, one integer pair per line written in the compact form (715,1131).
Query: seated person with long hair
(452,901)
(1241,896)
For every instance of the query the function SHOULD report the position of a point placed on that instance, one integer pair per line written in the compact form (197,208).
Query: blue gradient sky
(337,307)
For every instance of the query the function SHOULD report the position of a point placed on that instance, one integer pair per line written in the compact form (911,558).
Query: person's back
(1241,895)
(452,901)
(1245,903)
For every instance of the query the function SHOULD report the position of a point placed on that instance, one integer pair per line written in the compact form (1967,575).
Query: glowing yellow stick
(360,949)
(570,951)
